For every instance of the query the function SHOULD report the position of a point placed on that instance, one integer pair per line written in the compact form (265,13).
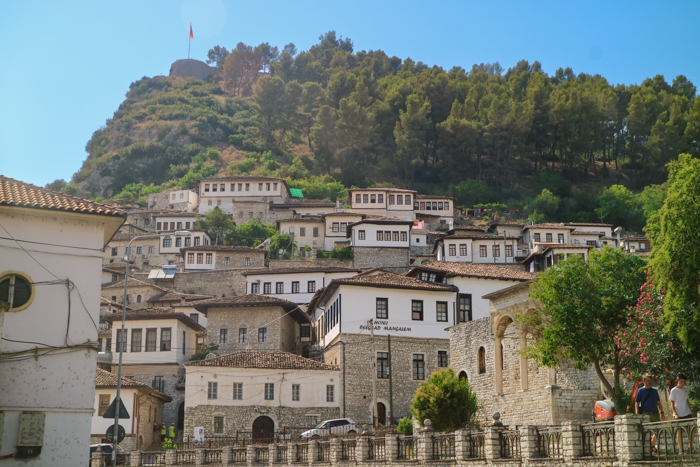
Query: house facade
(231,193)
(382,202)
(477,248)
(210,257)
(144,252)
(138,292)
(383,242)
(50,269)
(297,285)
(337,228)
(306,231)
(171,221)
(439,209)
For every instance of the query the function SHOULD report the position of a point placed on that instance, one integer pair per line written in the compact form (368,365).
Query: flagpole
(189,41)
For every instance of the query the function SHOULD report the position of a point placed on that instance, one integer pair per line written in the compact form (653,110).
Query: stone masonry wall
(310,263)
(366,257)
(172,374)
(218,282)
(256,259)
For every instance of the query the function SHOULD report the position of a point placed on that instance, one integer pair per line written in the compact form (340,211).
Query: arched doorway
(381,414)
(463,375)
(263,430)
(181,416)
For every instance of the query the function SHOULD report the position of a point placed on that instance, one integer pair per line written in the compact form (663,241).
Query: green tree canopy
(447,401)
(217,224)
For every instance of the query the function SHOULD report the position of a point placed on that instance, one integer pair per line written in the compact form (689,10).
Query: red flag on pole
(191,35)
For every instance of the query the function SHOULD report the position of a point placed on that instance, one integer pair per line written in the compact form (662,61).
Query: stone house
(410,320)
(241,194)
(262,392)
(306,231)
(486,351)
(137,295)
(179,200)
(255,322)
(143,403)
(144,252)
(337,227)
(209,257)
(158,342)
(382,202)
(473,281)
(381,242)
(477,248)
(55,272)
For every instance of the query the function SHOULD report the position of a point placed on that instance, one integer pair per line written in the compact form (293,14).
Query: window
(250,215)
(218,202)
(391,199)
(343,226)
(194,317)
(302,231)
(158,226)
(260,187)
(482,360)
(365,199)
(136,336)
(358,198)
(115,251)
(311,287)
(104,404)
(315,232)
(295,392)
(151,337)
(210,258)
(212,390)
(206,187)
(242,335)
(190,258)
(373,199)
(560,238)
(262,335)
(442,358)
(267,187)
(387,236)
(463,249)
(642,246)
(138,299)
(360,234)
(399,199)
(465,308)
(305,331)
(279,287)
(382,365)
(336,227)
(441,311)
(238,391)
(292,231)
(165,339)
(380,235)
(440,206)
(453,250)
(483,252)
(417,310)
(269,391)
(247,261)
(312,420)
(418,366)
(295,287)
(447,206)
(267,288)
(537,237)
(408,200)
(115,278)
(139,250)
(227,261)
(330,393)
(223,336)
(150,250)
(404,236)
(395,236)
(254,287)
(509,251)
(274,187)
(121,341)
(214,187)
(380,199)
(435,206)
(200,258)
(218,425)
(549,237)
(382,308)
(496,251)
(108,345)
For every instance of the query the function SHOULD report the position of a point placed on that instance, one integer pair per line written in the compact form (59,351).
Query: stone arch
(385,403)
(263,429)
(463,375)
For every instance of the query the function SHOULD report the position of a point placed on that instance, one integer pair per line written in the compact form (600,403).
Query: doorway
(263,430)
(181,417)
(381,414)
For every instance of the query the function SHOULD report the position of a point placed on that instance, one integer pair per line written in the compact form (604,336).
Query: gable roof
(583,232)
(264,360)
(174,296)
(21,194)
(419,196)
(587,224)
(247,301)
(105,379)
(132,283)
(156,313)
(266,271)
(393,281)
(391,190)
(224,248)
(478,270)
(550,225)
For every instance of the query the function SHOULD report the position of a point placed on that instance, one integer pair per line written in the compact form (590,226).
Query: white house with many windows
(383,202)
(477,248)
(225,192)
(380,232)
(209,257)
(337,227)
(438,209)
(170,221)
(171,244)
(260,391)
(547,233)
(297,285)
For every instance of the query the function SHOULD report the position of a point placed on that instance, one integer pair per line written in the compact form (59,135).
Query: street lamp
(122,340)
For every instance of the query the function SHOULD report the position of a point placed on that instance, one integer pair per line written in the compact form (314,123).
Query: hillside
(363,118)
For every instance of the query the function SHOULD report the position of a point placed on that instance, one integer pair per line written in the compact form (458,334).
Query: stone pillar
(97,459)
(170,457)
(571,440)
(313,451)
(250,455)
(391,447)
(523,362)
(292,453)
(462,443)
(200,457)
(135,458)
(492,442)
(362,448)
(273,453)
(425,442)
(226,455)
(498,362)
(628,437)
(336,451)
(528,442)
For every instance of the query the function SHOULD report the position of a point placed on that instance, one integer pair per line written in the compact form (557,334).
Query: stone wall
(356,399)
(237,259)
(242,418)
(366,257)
(172,374)
(218,282)
(310,263)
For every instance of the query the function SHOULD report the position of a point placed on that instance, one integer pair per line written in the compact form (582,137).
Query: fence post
(97,459)
(571,440)
(292,453)
(313,452)
(425,442)
(528,442)
(272,455)
(226,455)
(362,447)
(250,454)
(462,443)
(170,457)
(391,448)
(200,457)
(492,442)
(135,458)
(336,450)
(628,437)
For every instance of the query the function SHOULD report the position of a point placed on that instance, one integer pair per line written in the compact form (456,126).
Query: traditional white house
(50,261)
(306,231)
(636,244)
(260,392)
(382,202)
(581,237)
(171,244)
(170,221)
(477,248)
(227,191)
(337,227)
(547,233)
(510,229)
(434,209)
(297,285)
(544,256)
(184,197)
(605,229)
(473,281)
(209,257)
(143,404)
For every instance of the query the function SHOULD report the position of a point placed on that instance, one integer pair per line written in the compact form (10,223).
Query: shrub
(447,401)
(405,426)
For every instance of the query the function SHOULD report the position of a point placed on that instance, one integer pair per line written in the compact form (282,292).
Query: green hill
(331,116)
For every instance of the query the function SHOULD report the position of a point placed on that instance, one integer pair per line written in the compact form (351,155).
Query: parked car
(338,426)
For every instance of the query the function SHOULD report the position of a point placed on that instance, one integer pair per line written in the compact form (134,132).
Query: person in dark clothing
(648,402)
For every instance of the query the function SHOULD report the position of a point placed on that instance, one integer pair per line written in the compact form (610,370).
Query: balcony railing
(598,439)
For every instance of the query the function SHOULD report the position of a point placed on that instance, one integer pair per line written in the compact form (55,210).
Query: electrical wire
(50,244)
(35,260)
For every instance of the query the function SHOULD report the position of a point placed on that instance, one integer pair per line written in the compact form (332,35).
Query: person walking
(171,432)
(648,402)
(680,406)
(163,432)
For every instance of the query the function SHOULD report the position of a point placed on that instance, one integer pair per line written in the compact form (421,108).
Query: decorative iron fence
(302,453)
(262,455)
(152,458)
(443,447)
(377,449)
(122,458)
(406,448)
(510,444)
(598,439)
(282,454)
(347,449)
(185,457)
(549,442)
(675,440)
(476,446)
(240,455)
(212,456)
(324,451)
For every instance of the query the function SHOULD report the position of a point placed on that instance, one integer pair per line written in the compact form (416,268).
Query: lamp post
(122,341)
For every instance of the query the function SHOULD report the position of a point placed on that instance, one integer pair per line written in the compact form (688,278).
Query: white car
(338,426)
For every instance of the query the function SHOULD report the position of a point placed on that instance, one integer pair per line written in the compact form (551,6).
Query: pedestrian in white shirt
(680,406)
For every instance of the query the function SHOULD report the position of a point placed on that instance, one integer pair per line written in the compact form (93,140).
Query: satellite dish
(281,252)
(210,356)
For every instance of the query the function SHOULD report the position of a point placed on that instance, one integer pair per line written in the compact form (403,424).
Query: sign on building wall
(199,434)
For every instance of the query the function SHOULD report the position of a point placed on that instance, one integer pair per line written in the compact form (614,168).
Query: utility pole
(391,393)
(373,366)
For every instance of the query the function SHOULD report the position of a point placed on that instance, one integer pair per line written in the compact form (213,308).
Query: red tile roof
(156,313)
(224,248)
(21,194)
(133,283)
(105,379)
(266,360)
(242,301)
(391,280)
(479,270)
(550,225)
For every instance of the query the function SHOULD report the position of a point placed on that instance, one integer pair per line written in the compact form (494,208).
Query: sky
(68,64)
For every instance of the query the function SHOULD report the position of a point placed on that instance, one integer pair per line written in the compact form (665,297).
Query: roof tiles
(266,360)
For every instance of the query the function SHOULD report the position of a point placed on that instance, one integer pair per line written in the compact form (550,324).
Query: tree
(471,192)
(618,206)
(57,184)
(547,203)
(447,401)
(675,256)
(217,57)
(241,69)
(252,233)
(217,224)
(583,305)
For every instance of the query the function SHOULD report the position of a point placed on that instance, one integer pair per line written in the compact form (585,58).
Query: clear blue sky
(67,65)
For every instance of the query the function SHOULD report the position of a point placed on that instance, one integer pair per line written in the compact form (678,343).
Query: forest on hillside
(567,147)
